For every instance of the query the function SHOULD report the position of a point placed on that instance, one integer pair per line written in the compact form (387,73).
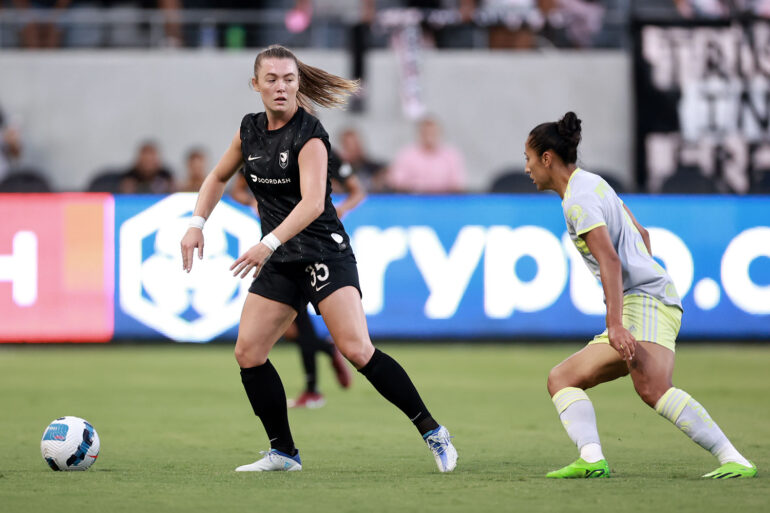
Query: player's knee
(556,380)
(650,393)
(357,352)
(248,358)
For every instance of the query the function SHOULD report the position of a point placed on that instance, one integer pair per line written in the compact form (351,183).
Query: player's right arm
(211,192)
(599,243)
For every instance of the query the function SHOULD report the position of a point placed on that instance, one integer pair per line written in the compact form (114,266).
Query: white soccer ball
(70,443)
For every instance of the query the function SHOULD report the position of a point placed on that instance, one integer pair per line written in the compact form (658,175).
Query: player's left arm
(642,231)
(355,195)
(312,185)
(599,243)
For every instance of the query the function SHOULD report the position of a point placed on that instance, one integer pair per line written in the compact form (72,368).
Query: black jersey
(271,168)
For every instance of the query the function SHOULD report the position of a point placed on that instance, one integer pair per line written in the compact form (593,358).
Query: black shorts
(297,283)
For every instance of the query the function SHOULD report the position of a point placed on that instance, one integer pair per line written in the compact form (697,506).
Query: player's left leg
(651,371)
(343,314)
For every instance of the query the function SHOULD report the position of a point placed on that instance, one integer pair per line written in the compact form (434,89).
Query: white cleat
(273,461)
(440,444)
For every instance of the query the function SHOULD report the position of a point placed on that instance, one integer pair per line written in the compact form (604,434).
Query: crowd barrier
(97,267)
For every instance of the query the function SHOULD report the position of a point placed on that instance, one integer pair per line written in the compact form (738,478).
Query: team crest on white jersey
(283,159)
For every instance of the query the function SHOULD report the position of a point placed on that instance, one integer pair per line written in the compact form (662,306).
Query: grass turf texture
(174,422)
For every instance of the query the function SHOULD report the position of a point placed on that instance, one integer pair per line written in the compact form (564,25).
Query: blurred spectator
(372,173)
(172,15)
(197,168)
(15,175)
(147,175)
(428,166)
(519,21)
(12,147)
(41,34)
(716,9)
(11,151)
(581,20)
(702,8)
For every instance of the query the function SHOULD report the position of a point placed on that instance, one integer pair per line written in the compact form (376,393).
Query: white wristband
(197,222)
(271,241)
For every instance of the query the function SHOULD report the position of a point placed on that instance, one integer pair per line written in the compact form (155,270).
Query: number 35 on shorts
(319,273)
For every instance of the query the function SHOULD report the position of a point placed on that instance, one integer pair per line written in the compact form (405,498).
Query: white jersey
(589,202)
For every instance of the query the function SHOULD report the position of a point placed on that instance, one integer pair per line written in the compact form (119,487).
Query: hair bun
(569,127)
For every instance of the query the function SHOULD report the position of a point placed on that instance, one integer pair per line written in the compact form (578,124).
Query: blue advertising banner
(453,266)
(154,297)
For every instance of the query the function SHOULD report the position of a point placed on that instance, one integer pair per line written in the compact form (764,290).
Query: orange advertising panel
(56,267)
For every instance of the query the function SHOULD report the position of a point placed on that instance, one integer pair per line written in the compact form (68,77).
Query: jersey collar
(568,190)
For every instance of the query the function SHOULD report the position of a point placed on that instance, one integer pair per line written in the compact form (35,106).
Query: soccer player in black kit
(304,256)
(302,330)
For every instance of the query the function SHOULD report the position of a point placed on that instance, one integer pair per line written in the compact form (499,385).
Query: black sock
(268,400)
(309,366)
(309,343)
(393,383)
(327,346)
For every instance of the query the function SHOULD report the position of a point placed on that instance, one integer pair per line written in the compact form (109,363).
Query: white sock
(694,421)
(579,420)
(591,452)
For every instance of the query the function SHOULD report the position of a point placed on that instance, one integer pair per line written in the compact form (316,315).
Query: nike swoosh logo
(322,286)
(254,158)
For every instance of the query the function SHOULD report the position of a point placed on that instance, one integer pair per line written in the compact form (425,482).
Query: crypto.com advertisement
(72,267)
(457,267)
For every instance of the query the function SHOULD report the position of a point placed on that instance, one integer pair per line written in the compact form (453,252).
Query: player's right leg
(263,321)
(567,382)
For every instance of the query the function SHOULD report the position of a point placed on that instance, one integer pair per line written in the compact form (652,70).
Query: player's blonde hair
(316,86)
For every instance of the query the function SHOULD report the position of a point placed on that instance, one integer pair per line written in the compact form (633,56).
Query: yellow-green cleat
(581,469)
(732,470)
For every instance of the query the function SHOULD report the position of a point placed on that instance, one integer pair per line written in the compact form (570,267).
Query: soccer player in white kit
(643,311)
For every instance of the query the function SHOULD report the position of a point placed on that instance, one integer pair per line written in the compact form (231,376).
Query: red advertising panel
(56,267)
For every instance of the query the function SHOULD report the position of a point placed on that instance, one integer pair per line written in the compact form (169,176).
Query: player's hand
(254,258)
(623,341)
(191,240)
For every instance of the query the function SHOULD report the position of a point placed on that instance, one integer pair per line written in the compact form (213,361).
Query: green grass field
(174,422)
